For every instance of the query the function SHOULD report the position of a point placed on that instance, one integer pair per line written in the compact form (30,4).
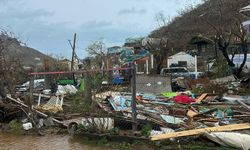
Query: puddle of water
(48,142)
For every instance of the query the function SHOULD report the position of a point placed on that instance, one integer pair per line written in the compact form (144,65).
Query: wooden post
(31,114)
(196,67)
(133,86)
(152,61)
(46,69)
(87,83)
(147,67)
(39,99)
(31,86)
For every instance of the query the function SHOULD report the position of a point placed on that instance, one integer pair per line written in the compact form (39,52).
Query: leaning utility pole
(73,54)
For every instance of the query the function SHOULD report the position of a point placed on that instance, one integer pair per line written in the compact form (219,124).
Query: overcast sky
(47,25)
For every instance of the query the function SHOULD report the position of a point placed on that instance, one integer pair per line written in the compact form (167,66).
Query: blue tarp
(129,56)
(118,80)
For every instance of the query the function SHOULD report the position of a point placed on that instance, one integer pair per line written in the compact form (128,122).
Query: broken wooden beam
(244,105)
(191,113)
(201,131)
(40,113)
(198,100)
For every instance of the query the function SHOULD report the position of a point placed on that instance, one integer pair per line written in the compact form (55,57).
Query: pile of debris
(170,114)
(180,114)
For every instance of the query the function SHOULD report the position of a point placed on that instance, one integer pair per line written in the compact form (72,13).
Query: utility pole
(73,54)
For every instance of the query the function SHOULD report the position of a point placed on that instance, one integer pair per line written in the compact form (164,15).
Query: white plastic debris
(154,132)
(232,139)
(71,89)
(27,126)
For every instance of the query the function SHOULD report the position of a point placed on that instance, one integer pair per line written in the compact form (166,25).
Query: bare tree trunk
(244,47)
(223,49)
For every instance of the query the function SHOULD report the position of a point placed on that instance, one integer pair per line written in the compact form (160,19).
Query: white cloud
(132,11)
(47,25)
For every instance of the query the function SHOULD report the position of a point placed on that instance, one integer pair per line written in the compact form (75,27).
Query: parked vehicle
(38,85)
(176,72)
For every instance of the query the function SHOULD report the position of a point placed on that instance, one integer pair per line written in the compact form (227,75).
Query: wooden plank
(210,98)
(42,95)
(191,113)
(200,131)
(201,98)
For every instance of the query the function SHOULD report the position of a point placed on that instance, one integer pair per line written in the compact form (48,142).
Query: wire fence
(101,93)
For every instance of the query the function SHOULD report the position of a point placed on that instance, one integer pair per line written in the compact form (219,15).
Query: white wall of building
(246,25)
(182,56)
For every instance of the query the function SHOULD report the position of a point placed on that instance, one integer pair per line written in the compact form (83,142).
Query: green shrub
(16,127)
(146,130)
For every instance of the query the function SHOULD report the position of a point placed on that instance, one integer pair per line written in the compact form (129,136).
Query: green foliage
(75,102)
(16,127)
(78,104)
(97,81)
(146,129)
(222,69)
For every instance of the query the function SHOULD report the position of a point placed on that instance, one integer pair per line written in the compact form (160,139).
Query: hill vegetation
(218,22)
(200,20)
(13,48)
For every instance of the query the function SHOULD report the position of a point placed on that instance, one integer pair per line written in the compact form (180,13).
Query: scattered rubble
(160,114)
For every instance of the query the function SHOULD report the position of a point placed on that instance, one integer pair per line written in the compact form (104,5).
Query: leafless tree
(11,70)
(225,34)
(161,19)
(98,51)
(159,47)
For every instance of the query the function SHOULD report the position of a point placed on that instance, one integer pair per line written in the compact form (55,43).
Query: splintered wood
(200,131)
(201,98)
